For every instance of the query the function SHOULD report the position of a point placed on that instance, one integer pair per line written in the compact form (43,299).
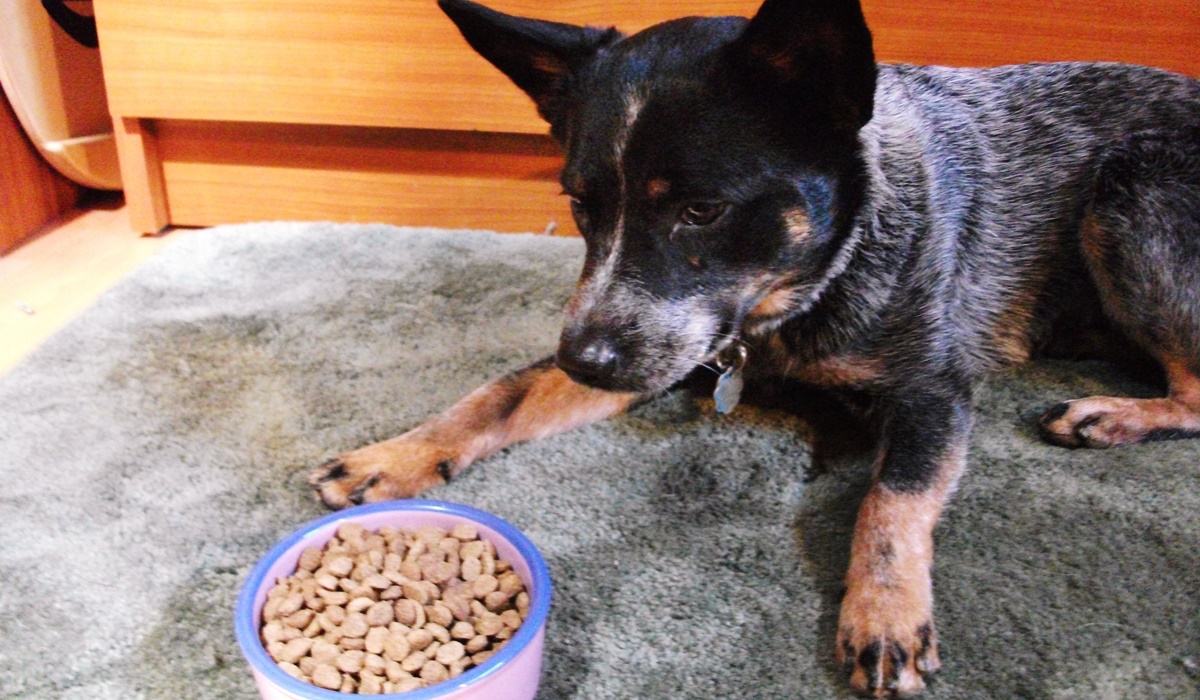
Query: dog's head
(712,164)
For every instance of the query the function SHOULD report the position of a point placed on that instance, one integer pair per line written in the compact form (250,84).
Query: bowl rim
(247,632)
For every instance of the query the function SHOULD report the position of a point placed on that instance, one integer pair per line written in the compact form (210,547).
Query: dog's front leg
(537,401)
(886,639)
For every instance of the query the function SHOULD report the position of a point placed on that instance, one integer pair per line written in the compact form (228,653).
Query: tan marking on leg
(1010,334)
(554,404)
(886,636)
(527,405)
(1183,384)
(1108,421)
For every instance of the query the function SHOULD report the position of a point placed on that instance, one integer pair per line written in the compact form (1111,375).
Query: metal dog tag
(730,383)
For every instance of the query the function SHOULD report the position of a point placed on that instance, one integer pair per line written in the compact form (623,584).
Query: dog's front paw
(396,468)
(886,641)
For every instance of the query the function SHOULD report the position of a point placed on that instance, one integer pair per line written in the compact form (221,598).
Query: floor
(53,277)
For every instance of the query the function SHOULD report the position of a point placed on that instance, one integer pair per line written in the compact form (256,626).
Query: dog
(762,197)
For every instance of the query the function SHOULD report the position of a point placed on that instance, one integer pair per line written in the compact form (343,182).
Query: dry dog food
(393,610)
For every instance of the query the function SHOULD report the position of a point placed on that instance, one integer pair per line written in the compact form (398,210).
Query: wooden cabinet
(31,192)
(377,110)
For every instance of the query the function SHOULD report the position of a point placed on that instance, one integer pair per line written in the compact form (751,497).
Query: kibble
(326,676)
(393,610)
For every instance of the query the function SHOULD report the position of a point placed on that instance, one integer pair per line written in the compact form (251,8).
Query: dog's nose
(587,358)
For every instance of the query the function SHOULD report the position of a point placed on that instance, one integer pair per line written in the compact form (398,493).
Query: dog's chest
(771,359)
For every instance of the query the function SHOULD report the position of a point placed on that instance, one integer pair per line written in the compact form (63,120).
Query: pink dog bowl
(511,674)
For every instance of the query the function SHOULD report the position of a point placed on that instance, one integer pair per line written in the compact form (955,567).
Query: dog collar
(729,385)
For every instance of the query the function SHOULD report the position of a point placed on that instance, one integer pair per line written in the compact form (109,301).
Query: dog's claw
(358,495)
(397,468)
(329,471)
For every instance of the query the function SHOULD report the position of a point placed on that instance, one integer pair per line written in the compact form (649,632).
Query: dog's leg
(1142,245)
(886,639)
(534,402)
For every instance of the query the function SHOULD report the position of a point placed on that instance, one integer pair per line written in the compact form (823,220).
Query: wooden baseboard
(225,172)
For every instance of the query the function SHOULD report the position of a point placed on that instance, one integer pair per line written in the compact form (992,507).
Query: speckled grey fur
(980,181)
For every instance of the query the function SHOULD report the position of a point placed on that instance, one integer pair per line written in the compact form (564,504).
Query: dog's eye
(702,213)
(579,211)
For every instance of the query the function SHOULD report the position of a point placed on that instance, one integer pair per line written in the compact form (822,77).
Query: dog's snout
(588,358)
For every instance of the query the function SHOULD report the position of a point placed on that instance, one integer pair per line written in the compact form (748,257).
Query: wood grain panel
(31,192)
(141,173)
(225,173)
(401,63)
(1163,33)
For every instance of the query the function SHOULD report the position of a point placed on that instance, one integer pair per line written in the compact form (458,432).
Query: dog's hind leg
(1142,246)
(534,402)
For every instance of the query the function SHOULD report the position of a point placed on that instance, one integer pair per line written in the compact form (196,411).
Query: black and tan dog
(762,193)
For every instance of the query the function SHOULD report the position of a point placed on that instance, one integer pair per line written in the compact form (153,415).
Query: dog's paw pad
(388,470)
(1076,424)
(340,486)
(895,665)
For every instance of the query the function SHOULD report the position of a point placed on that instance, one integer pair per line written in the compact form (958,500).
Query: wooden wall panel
(401,63)
(398,63)
(1163,33)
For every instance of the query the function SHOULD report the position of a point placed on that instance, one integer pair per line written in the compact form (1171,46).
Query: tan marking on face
(657,188)
(797,224)
(775,303)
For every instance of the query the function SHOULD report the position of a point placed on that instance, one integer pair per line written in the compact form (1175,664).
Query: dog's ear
(537,55)
(814,56)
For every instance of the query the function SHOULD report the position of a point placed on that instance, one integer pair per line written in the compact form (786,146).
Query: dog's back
(990,173)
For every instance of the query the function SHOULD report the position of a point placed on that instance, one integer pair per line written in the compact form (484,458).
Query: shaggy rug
(151,452)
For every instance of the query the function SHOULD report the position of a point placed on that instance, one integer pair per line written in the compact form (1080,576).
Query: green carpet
(154,449)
